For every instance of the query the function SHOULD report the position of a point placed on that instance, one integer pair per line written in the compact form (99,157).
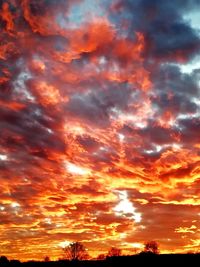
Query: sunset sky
(99,125)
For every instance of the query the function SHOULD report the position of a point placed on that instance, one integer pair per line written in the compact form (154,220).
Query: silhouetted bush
(151,247)
(76,251)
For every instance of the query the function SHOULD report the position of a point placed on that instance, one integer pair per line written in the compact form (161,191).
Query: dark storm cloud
(157,135)
(89,108)
(95,106)
(176,104)
(88,143)
(169,79)
(168,35)
(190,129)
(23,124)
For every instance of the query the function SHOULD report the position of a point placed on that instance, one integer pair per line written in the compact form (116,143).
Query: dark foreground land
(124,261)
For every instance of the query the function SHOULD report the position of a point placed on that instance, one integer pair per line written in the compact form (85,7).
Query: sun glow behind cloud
(3,157)
(64,244)
(74,169)
(126,208)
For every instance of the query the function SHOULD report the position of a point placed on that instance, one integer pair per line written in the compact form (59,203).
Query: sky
(99,126)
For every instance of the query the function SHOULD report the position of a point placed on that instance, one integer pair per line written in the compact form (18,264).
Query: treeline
(76,254)
(77,251)
(122,261)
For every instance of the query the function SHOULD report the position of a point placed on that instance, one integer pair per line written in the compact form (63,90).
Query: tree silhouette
(151,247)
(4,261)
(114,252)
(46,258)
(76,251)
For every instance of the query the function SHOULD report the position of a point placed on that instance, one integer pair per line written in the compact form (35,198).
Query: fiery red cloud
(99,126)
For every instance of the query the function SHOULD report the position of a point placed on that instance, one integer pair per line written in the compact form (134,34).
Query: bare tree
(76,251)
(151,247)
(114,252)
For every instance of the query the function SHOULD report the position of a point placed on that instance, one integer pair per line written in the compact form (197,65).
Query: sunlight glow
(121,137)
(64,244)
(137,245)
(3,157)
(48,221)
(15,205)
(73,169)
(125,207)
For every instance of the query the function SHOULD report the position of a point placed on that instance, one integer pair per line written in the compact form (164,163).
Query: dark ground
(136,260)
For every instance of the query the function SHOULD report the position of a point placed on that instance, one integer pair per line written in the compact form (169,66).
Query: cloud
(169,37)
(94,101)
